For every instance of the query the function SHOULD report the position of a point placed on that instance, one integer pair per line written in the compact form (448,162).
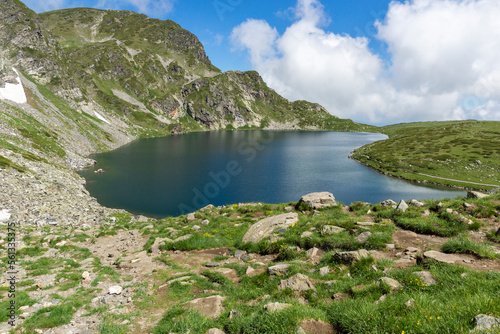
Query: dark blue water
(175,175)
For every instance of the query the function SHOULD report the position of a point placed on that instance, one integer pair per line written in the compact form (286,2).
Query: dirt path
(443,178)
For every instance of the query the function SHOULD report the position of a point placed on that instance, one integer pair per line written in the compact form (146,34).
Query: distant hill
(467,153)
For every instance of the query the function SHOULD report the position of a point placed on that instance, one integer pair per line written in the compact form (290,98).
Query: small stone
(85,275)
(350,257)
(381,299)
(196,228)
(410,250)
(388,203)
(392,283)
(416,203)
(426,277)
(330,229)
(365,224)
(306,234)
(390,246)
(214,331)
(205,222)
(273,307)
(212,264)
(363,237)
(190,217)
(115,290)
(312,252)
(279,269)
(410,303)
(402,206)
(239,253)
(298,282)
(340,296)
(324,271)
(233,314)
(208,207)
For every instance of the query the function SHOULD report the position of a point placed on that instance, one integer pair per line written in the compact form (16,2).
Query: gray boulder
(265,227)
(330,229)
(363,237)
(279,269)
(273,307)
(426,277)
(298,282)
(351,257)
(388,203)
(416,203)
(442,257)
(319,200)
(392,283)
(485,322)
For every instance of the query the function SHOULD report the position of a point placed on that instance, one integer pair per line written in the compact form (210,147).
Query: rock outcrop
(265,227)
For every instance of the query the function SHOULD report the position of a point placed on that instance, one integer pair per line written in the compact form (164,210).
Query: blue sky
(213,20)
(374,61)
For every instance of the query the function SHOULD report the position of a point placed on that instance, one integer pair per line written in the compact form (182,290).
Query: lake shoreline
(307,158)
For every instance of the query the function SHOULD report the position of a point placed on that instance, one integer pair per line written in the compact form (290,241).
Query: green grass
(467,151)
(463,245)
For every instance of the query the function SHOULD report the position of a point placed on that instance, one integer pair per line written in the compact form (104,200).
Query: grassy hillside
(163,265)
(467,151)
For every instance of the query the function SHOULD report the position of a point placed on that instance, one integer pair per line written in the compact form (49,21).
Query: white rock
(4,216)
(115,290)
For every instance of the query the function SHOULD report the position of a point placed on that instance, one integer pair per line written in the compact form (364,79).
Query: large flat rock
(265,227)
(442,257)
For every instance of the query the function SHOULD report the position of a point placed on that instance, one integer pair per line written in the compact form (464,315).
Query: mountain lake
(176,175)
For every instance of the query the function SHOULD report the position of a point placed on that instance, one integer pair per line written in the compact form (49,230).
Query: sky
(374,61)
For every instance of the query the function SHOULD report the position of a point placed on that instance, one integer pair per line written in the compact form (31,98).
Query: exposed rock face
(209,307)
(319,200)
(267,226)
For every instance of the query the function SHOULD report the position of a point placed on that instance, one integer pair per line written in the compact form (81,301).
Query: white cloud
(155,8)
(444,61)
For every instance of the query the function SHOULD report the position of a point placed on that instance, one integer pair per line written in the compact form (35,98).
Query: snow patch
(4,216)
(100,117)
(14,92)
